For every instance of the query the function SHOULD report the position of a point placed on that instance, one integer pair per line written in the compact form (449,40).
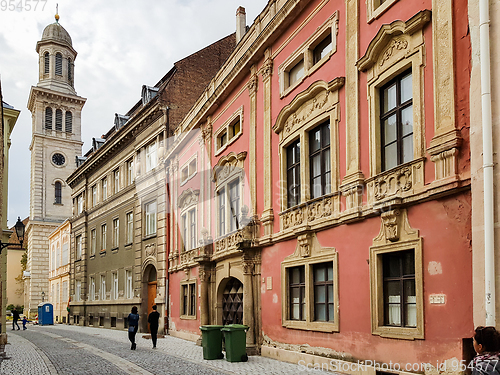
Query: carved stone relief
(188,198)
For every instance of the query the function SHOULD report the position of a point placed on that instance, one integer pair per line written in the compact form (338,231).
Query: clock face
(58,159)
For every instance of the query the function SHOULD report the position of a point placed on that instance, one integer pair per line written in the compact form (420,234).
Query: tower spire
(57,13)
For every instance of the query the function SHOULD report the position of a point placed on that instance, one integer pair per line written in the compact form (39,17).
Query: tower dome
(55,33)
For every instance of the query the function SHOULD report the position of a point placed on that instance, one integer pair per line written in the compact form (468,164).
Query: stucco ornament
(304,245)
(391,225)
(188,198)
(395,227)
(150,250)
(397,44)
(399,181)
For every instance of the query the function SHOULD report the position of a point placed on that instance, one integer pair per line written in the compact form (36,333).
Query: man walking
(153,324)
(15,318)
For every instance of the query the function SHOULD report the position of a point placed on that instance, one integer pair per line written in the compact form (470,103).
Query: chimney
(241,23)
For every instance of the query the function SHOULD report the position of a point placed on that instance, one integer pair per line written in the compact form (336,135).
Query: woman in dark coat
(133,326)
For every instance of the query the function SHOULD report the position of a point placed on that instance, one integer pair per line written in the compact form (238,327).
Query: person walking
(153,325)
(15,318)
(24,322)
(133,326)
(486,341)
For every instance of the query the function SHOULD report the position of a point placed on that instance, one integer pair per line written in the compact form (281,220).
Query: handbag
(131,328)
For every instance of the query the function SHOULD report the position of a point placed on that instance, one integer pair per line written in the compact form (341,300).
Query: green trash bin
(235,336)
(211,341)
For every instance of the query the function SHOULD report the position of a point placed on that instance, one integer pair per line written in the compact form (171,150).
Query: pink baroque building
(319,189)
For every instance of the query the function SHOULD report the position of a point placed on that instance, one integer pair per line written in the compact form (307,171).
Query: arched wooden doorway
(151,289)
(232,302)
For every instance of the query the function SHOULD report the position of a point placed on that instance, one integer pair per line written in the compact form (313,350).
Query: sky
(121,45)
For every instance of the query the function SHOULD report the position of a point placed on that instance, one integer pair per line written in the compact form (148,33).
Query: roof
(55,32)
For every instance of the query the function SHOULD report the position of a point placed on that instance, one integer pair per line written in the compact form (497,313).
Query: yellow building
(15,283)
(59,271)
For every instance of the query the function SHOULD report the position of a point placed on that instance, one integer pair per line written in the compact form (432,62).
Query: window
(116,175)
(188,300)
(46,60)
(68,122)
(221,201)
(103,237)
(48,118)
(319,159)
(396,278)
(78,247)
(230,131)
(396,120)
(53,262)
(297,292)
(92,242)
(58,256)
(150,218)
(58,192)
(103,288)
(116,233)
(52,293)
(151,157)
(234,204)
(293,173)
(65,253)
(92,288)
(188,171)
(104,188)
(59,118)
(79,201)
(70,72)
(322,49)
(115,285)
(130,171)
(94,196)
(296,73)
(78,291)
(228,215)
(310,287)
(58,64)
(400,307)
(58,293)
(376,7)
(310,56)
(189,229)
(130,228)
(64,291)
(129,290)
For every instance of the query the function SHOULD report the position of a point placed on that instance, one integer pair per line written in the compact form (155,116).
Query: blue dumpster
(45,313)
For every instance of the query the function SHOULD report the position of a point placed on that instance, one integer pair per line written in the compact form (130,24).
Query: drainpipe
(489,249)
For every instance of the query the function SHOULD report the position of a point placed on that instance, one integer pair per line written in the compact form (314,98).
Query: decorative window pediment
(188,198)
(320,97)
(229,166)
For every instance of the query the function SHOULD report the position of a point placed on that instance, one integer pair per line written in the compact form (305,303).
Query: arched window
(46,63)
(58,64)
(70,72)
(59,120)
(58,192)
(48,118)
(69,122)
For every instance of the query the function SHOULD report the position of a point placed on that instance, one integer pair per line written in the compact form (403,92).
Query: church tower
(55,144)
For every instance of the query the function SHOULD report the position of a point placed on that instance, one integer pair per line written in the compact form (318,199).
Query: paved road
(73,350)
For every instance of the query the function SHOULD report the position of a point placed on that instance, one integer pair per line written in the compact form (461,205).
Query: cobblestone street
(68,350)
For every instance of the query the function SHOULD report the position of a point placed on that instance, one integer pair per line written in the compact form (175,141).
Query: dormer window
(58,64)
(148,93)
(120,120)
(46,59)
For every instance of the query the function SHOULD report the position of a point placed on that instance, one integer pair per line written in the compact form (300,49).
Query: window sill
(399,333)
(187,179)
(58,204)
(92,256)
(149,236)
(102,253)
(378,11)
(188,317)
(78,260)
(328,327)
(114,249)
(128,244)
(229,142)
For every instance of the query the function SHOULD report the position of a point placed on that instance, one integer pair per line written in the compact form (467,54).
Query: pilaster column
(353,180)
(252,152)
(267,217)
(447,140)
(248,310)
(203,275)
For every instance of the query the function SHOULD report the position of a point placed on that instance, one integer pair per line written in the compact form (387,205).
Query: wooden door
(151,296)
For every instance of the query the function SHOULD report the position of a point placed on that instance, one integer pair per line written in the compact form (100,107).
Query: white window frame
(130,171)
(94,196)
(92,288)
(93,241)
(151,156)
(188,171)
(104,188)
(102,288)
(130,228)
(116,177)
(129,289)
(79,203)
(64,290)
(150,218)
(116,233)
(65,253)
(78,240)
(227,208)
(104,230)
(115,285)
(78,291)
(374,8)
(186,215)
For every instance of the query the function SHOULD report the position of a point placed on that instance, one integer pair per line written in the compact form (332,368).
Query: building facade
(320,188)
(55,145)
(8,121)
(59,271)
(15,282)
(118,251)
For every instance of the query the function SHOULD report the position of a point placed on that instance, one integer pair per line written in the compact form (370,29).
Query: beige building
(485,149)
(59,271)
(9,117)
(55,145)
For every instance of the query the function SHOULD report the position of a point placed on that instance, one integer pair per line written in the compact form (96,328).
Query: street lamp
(43,296)
(19,227)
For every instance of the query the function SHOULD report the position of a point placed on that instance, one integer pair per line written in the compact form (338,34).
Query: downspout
(489,249)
